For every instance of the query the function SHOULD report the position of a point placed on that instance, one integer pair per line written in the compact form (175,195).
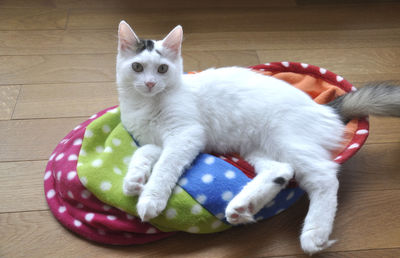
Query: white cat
(277,128)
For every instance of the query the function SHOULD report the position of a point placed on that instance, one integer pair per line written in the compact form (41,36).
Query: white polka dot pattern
(230,174)
(97,163)
(116,141)
(89,217)
(207,178)
(85,194)
(304,65)
(72,157)
(71,175)
(105,186)
(193,229)
(62,209)
(59,156)
(78,141)
(47,175)
(51,194)
(77,223)
(227,196)
(88,134)
(171,213)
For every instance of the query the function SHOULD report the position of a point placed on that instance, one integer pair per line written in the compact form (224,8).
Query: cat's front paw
(150,206)
(133,184)
(315,240)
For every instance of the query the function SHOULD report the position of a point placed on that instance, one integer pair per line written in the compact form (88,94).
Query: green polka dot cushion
(83,180)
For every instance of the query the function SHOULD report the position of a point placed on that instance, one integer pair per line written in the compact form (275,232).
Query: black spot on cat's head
(144,44)
(280,180)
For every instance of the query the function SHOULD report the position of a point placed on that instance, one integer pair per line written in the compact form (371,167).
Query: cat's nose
(150,84)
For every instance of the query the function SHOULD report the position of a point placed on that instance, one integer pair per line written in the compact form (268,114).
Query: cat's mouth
(146,91)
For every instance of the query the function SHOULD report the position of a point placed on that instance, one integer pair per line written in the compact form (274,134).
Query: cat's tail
(380,99)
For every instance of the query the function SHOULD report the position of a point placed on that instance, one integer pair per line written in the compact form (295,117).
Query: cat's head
(148,66)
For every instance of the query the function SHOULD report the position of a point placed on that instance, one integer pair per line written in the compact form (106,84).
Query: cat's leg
(320,182)
(178,153)
(272,177)
(139,169)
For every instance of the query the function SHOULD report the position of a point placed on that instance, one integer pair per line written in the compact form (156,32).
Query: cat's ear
(173,40)
(127,38)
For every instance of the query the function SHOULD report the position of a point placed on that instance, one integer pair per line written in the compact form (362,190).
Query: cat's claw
(149,207)
(315,240)
(239,214)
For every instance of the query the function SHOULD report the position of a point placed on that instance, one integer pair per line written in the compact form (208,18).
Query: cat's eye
(137,67)
(163,68)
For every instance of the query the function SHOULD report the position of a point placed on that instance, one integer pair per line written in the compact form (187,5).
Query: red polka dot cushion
(83,178)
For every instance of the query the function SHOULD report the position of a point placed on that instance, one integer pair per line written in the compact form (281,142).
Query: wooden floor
(57,60)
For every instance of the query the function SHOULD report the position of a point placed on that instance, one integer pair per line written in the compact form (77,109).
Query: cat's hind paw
(241,214)
(315,240)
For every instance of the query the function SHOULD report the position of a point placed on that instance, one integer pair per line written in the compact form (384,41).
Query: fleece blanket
(83,179)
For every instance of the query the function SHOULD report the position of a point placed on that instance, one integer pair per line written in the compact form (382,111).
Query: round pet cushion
(83,180)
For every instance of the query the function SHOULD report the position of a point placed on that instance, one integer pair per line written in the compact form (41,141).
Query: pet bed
(84,175)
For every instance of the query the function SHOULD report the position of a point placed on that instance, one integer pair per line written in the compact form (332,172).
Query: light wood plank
(22,186)
(32,18)
(56,69)
(374,168)
(97,68)
(8,99)
(330,2)
(43,42)
(343,17)
(367,220)
(33,139)
(279,40)
(368,214)
(27,4)
(362,64)
(64,100)
(200,60)
(384,130)
(105,41)
(171,4)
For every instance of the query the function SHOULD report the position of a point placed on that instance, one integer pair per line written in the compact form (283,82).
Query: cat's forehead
(149,51)
(149,45)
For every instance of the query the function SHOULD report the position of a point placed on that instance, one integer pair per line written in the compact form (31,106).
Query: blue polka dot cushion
(199,199)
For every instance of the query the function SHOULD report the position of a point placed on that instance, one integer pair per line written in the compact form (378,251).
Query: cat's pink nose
(150,84)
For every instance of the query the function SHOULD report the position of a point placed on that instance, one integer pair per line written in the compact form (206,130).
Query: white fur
(276,127)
